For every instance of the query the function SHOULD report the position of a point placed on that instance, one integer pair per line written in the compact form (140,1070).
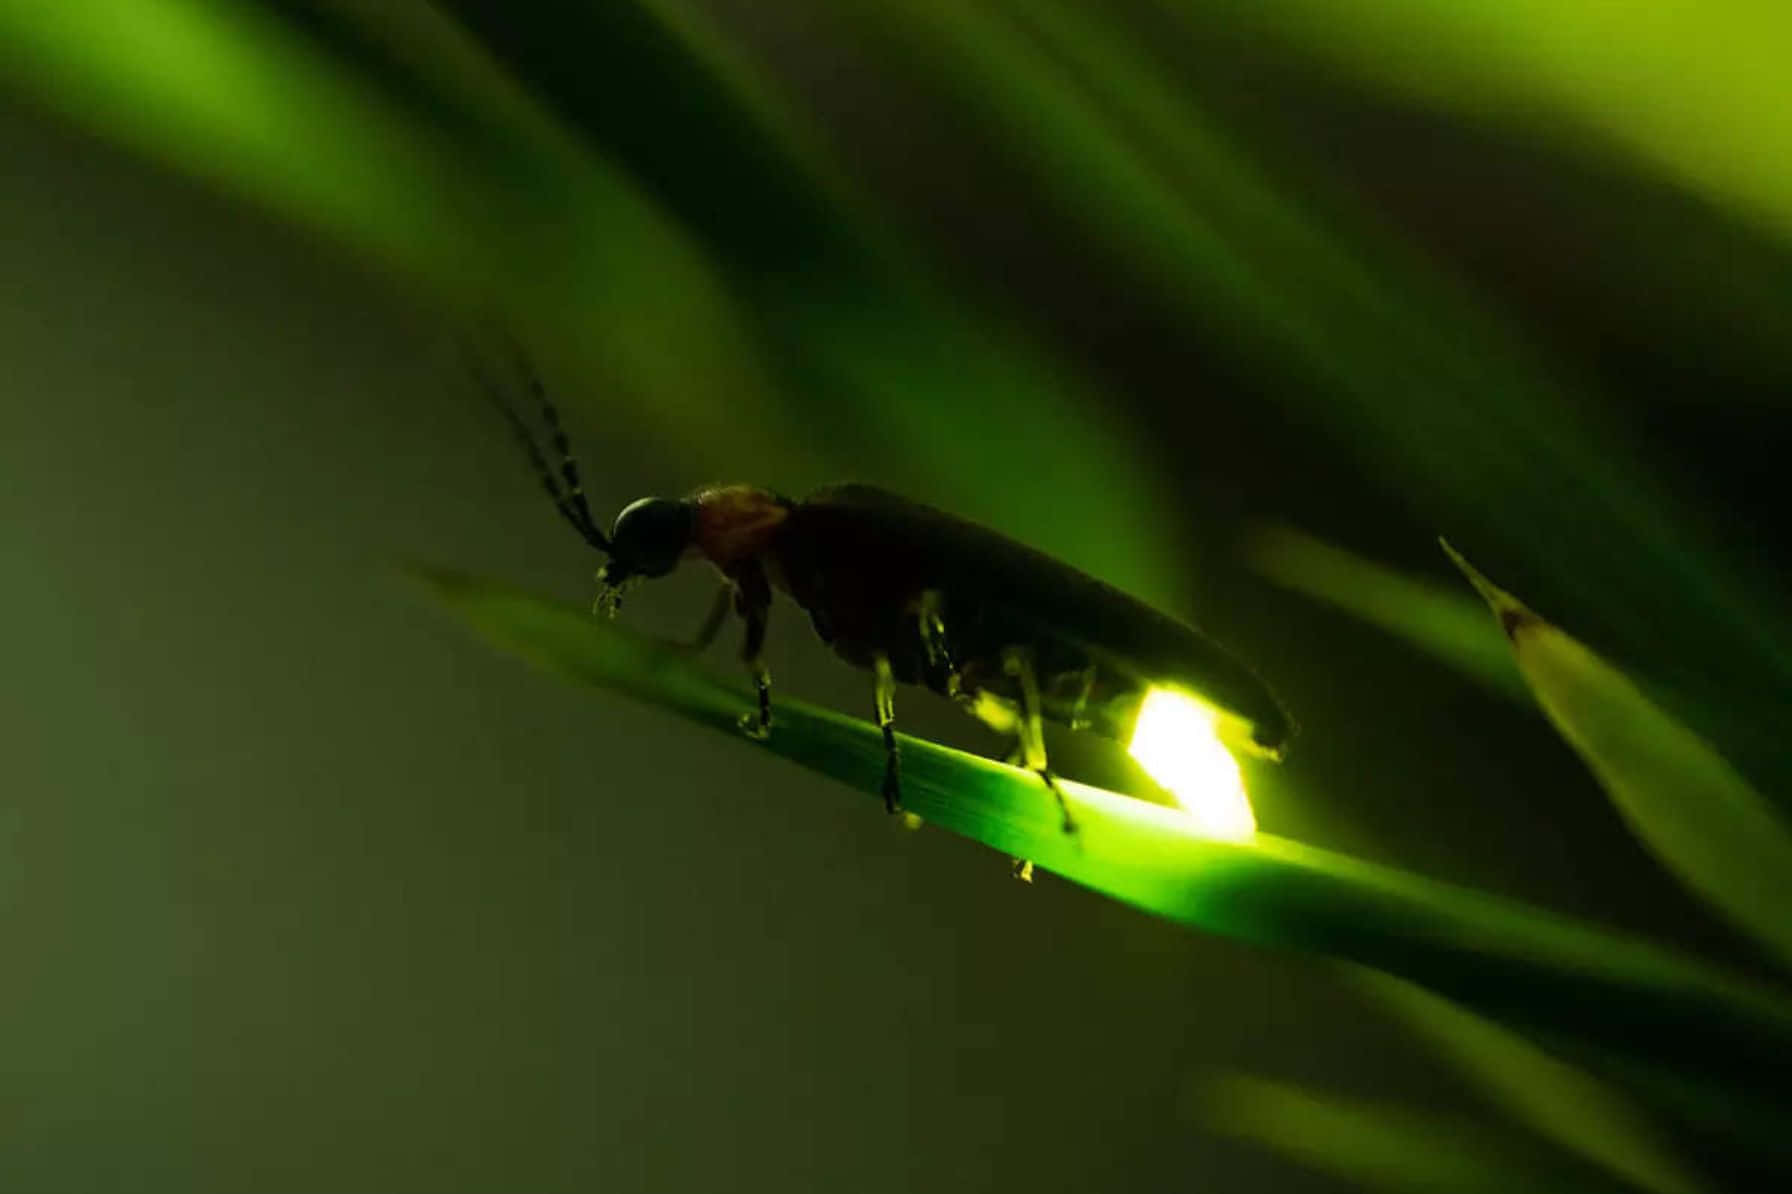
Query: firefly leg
(933,640)
(886,720)
(1031,726)
(1082,699)
(753,602)
(712,622)
(1000,716)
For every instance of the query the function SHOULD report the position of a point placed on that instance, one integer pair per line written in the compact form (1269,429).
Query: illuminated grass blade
(1519,964)
(1557,1100)
(1698,815)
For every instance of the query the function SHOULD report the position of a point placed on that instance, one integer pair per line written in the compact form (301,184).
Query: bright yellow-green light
(1176,740)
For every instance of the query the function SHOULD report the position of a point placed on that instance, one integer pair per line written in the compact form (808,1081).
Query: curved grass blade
(1515,963)
(1557,1100)
(1387,1148)
(1698,815)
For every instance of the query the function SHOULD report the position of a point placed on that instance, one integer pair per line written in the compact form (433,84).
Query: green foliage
(1682,798)
(802,324)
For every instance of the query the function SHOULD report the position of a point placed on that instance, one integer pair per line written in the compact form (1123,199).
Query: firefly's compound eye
(650,536)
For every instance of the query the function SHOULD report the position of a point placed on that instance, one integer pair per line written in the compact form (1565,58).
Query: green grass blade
(1557,1100)
(1686,803)
(1518,964)
(1387,1148)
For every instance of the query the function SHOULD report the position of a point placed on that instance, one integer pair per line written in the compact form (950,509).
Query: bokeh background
(301,888)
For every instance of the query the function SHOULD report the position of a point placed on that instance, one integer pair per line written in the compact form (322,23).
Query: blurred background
(302,888)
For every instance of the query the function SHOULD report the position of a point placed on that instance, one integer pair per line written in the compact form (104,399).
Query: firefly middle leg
(712,621)
(933,644)
(1030,726)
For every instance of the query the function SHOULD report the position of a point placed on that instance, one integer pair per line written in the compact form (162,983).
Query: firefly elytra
(916,596)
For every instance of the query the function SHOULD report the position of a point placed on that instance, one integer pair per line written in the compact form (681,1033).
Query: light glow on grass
(1176,740)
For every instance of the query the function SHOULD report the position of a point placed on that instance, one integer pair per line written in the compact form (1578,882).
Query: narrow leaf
(1685,802)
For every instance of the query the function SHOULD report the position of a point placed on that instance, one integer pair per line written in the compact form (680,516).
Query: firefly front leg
(753,602)
(1031,726)
(886,721)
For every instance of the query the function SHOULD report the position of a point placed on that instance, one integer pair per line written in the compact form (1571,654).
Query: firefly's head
(650,536)
(648,540)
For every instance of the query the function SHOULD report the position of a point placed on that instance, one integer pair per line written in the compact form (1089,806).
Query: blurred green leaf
(1566,1104)
(1749,1134)
(1386,1148)
(1520,964)
(1678,795)
(1693,88)
(1444,624)
(535,227)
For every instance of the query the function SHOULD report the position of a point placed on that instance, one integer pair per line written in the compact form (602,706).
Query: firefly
(918,596)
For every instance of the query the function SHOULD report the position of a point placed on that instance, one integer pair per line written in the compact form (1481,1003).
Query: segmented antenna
(571,504)
(569,467)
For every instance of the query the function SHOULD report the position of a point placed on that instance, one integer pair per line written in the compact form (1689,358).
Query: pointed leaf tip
(1511,612)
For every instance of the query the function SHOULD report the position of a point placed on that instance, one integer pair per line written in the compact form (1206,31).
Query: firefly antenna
(569,467)
(571,503)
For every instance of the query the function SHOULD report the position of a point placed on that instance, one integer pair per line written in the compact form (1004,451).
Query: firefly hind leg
(753,601)
(1002,717)
(1031,726)
(1086,686)
(886,721)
